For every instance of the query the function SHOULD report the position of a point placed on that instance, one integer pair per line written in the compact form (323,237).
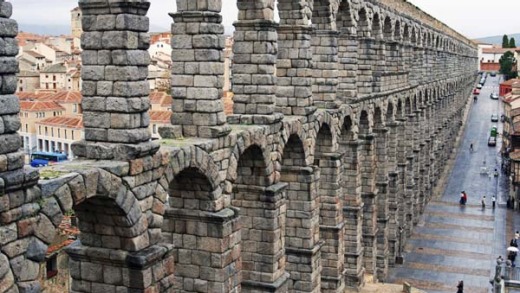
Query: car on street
(494,117)
(479,86)
(476,91)
(493,73)
(494,96)
(492,141)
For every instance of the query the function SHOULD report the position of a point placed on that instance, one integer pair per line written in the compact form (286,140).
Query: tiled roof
(55,68)
(35,106)
(64,97)
(160,116)
(496,50)
(63,121)
(34,54)
(160,98)
(511,81)
(30,96)
(26,73)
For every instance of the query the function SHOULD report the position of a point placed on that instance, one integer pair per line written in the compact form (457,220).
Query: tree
(512,43)
(508,65)
(505,42)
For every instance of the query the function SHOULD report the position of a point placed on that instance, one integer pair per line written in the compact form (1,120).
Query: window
(155,129)
(52,266)
(59,133)
(52,131)
(46,131)
(54,77)
(75,108)
(65,133)
(40,130)
(26,128)
(72,134)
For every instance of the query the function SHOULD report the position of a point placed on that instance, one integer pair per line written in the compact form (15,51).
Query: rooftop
(498,50)
(160,116)
(36,106)
(64,97)
(64,121)
(55,68)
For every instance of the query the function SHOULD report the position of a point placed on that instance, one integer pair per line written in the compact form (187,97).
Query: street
(454,242)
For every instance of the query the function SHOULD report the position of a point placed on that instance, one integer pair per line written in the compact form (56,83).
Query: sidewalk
(454,242)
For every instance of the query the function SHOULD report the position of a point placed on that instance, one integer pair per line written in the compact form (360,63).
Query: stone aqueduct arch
(344,117)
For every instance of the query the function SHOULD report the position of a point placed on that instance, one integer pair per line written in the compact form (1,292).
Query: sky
(472,18)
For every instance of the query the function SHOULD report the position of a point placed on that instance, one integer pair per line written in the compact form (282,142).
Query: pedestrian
(512,257)
(483,202)
(465,197)
(493,200)
(460,287)
(462,198)
(471,148)
(513,243)
(517,234)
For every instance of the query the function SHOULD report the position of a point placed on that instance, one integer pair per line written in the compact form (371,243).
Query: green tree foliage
(505,42)
(512,43)
(508,65)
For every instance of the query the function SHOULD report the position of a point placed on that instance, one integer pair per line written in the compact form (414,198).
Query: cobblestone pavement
(454,242)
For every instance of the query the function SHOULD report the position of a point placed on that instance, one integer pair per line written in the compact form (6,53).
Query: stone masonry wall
(338,137)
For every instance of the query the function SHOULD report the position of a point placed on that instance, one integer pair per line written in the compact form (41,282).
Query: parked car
(476,91)
(494,96)
(492,141)
(479,86)
(493,73)
(494,117)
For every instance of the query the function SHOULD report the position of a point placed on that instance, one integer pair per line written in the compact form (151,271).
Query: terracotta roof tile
(496,50)
(35,106)
(160,98)
(31,96)
(64,97)
(34,54)
(63,121)
(160,116)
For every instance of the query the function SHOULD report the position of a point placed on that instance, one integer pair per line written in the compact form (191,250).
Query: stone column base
(333,284)
(304,265)
(97,270)
(278,286)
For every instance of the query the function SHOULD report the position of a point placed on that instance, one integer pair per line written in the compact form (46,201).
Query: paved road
(451,242)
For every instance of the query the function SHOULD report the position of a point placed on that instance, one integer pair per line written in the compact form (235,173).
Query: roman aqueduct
(345,113)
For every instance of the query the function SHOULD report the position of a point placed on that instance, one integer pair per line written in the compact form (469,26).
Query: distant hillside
(497,40)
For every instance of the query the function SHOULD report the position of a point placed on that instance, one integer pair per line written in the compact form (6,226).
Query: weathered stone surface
(36,250)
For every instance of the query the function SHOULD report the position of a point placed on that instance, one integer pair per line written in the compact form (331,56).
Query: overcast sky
(470,17)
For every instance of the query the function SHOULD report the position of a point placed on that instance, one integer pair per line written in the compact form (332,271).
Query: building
(32,112)
(53,77)
(28,81)
(228,62)
(489,60)
(70,100)
(159,119)
(160,101)
(32,60)
(75,22)
(56,134)
(481,46)
(506,87)
(54,271)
